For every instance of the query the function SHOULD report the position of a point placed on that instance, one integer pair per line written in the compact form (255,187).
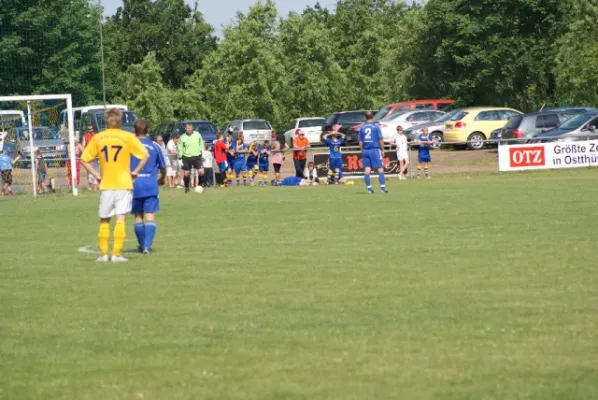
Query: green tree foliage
(141,88)
(49,46)
(490,51)
(577,58)
(177,35)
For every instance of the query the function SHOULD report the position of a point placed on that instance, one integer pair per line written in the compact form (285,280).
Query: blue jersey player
(145,190)
(371,144)
(334,140)
(264,162)
(240,150)
(294,181)
(423,153)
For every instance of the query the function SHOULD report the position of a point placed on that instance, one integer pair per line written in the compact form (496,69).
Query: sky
(220,12)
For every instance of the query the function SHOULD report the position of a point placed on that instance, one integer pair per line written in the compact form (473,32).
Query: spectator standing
(6,171)
(92,182)
(221,156)
(300,146)
(41,168)
(208,166)
(278,158)
(78,152)
(160,142)
(190,149)
(172,162)
(400,141)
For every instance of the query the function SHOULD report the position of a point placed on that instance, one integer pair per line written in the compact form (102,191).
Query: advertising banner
(554,155)
(353,164)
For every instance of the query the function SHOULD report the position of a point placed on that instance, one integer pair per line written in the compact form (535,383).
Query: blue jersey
(264,157)
(239,147)
(5,162)
(229,157)
(252,159)
(290,181)
(370,135)
(335,147)
(146,184)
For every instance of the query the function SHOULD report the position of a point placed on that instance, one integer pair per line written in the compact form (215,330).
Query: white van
(14,118)
(77,113)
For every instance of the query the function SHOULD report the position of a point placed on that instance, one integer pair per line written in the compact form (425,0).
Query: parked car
(435,128)
(527,126)
(473,125)
(96,119)
(78,112)
(389,124)
(46,139)
(581,127)
(438,104)
(312,127)
(259,130)
(166,129)
(346,120)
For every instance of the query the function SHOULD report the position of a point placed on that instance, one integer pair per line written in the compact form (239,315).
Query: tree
(141,88)
(576,67)
(50,46)
(490,52)
(177,35)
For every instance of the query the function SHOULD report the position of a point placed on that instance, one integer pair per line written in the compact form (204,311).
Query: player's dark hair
(141,127)
(369,115)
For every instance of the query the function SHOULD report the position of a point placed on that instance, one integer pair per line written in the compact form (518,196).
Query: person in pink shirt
(278,157)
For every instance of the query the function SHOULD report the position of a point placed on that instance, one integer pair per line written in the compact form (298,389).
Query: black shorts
(7,176)
(277,167)
(192,162)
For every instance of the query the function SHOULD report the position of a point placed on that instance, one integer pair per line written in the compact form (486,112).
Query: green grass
(463,287)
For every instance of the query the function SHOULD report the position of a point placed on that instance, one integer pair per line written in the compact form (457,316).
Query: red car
(437,104)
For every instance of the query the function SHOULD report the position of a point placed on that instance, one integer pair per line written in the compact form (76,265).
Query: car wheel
(438,139)
(475,141)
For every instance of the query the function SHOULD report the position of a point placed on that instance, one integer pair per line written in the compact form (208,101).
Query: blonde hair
(113,118)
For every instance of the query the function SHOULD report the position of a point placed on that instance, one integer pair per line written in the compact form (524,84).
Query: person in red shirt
(92,182)
(300,146)
(220,152)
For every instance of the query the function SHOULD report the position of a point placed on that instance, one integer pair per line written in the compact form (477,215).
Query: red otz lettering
(527,157)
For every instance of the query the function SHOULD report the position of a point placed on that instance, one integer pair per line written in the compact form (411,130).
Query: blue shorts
(372,158)
(423,156)
(251,166)
(335,163)
(264,167)
(222,166)
(150,204)
(240,166)
(230,164)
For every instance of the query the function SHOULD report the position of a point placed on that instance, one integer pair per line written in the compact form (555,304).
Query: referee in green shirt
(190,148)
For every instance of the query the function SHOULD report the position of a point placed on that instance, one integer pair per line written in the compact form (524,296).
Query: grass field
(463,287)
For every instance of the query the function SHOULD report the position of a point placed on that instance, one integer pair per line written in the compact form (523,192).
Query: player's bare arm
(91,170)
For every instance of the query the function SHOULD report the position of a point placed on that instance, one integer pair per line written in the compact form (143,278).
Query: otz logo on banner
(527,156)
(353,164)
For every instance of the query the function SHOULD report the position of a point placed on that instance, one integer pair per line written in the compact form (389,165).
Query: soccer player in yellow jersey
(114,148)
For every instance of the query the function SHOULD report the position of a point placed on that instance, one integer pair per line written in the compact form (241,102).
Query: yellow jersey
(114,149)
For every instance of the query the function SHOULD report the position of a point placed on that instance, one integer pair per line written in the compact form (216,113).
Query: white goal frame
(71,128)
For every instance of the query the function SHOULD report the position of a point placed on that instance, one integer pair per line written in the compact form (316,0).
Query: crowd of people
(190,162)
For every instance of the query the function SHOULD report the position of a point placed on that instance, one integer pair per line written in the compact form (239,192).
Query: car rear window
(459,115)
(310,123)
(382,113)
(547,121)
(255,125)
(351,117)
(513,122)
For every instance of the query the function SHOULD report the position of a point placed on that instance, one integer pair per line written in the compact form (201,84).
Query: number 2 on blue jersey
(105,151)
(368,133)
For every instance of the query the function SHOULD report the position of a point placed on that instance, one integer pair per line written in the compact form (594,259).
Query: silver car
(259,130)
(45,139)
(581,127)
(435,128)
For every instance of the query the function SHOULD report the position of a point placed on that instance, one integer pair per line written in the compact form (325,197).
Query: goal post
(50,129)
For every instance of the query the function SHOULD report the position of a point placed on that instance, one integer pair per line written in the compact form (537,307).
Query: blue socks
(368,182)
(140,233)
(382,179)
(150,234)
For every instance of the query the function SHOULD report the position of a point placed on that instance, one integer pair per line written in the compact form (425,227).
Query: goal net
(37,133)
